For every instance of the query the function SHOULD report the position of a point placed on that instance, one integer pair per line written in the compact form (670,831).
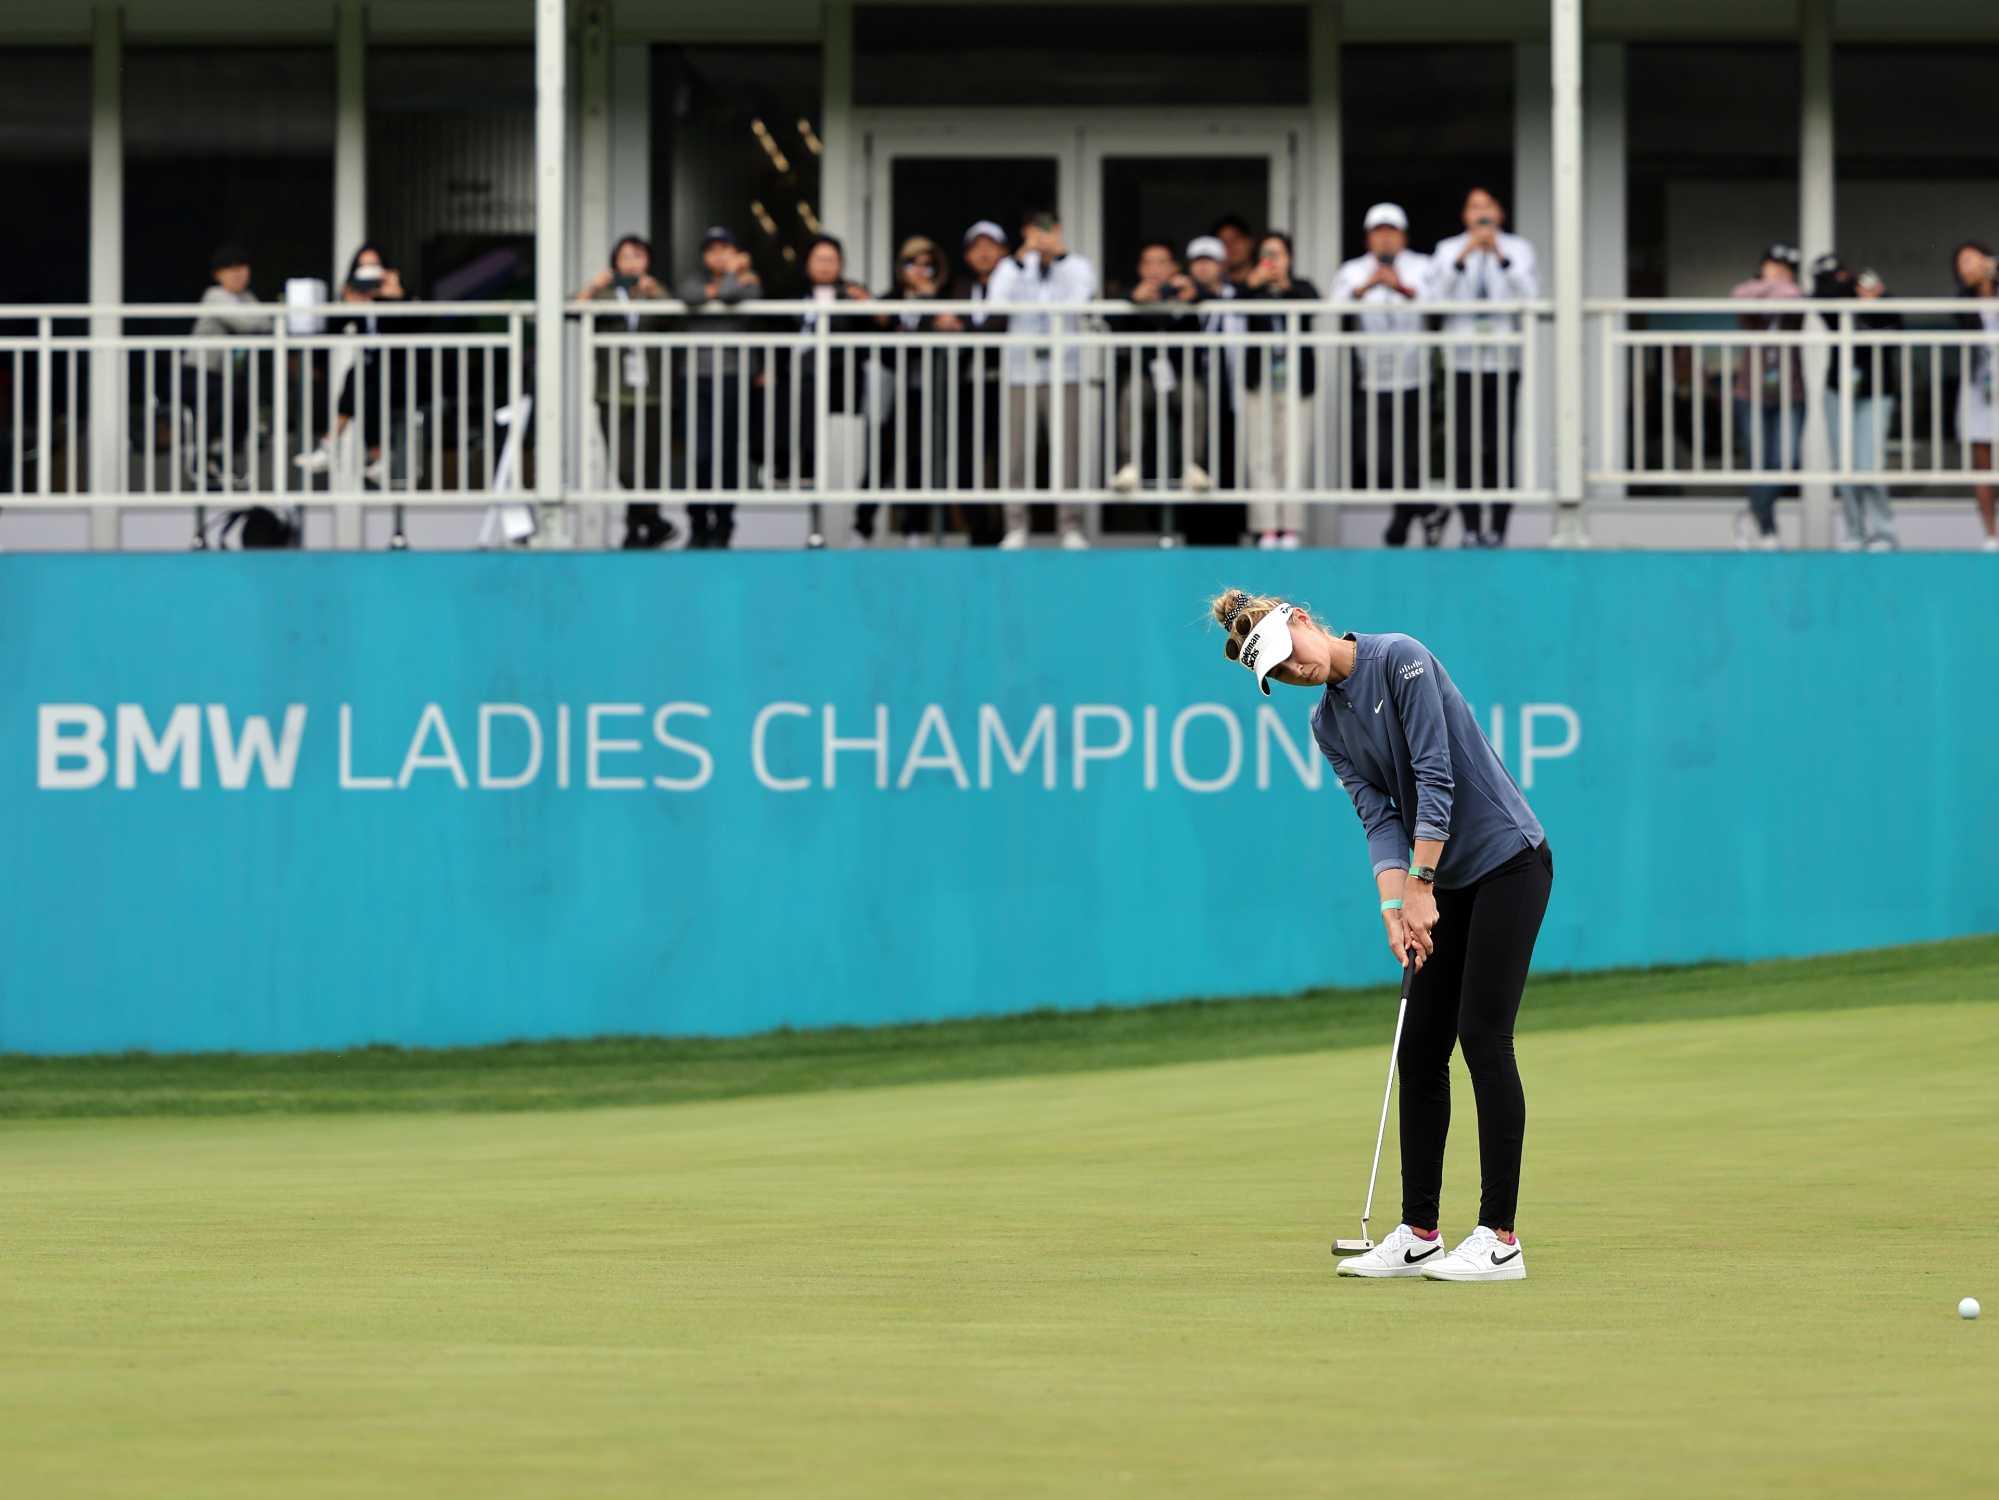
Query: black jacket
(1167,315)
(803,360)
(1863,354)
(904,357)
(1272,322)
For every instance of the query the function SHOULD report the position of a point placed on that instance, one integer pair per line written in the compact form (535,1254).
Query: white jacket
(1386,367)
(1506,277)
(1070,278)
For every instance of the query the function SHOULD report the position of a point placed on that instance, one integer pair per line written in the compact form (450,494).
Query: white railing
(1687,397)
(1080,404)
(841,409)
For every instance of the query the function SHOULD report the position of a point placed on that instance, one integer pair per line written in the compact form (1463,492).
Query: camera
(623,282)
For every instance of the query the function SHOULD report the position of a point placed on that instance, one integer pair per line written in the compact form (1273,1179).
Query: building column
(1816,235)
(350,195)
(1607,272)
(592,248)
(551,43)
(1323,159)
(840,200)
(1565,390)
(107,271)
(1531,215)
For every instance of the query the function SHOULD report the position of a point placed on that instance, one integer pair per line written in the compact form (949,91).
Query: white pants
(1270,466)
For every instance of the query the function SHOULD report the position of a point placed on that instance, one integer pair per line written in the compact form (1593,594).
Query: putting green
(1747,1240)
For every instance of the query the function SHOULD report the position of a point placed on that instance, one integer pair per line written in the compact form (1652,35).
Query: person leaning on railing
(375,379)
(628,385)
(725,278)
(1870,522)
(1769,383)
(797,386)
(1270,384)
(1977,273)
(221,376)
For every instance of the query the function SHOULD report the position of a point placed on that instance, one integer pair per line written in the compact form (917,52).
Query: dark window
(1080,55)
(226,145)
(45,154)
(736,141)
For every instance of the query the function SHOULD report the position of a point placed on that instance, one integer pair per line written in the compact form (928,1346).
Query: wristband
(1394,903)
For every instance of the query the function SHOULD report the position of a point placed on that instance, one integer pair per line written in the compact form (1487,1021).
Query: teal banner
(301,801)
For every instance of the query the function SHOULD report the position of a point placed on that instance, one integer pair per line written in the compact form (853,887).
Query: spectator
(1484,264)
(1043,271)
(217,393)
(826,285)
(1387,432)
(628,404)
(984,247)
(909,451)
(1770,390)
(1978,276)
(376,380)
(1271,384)
(1869,520)
(1215,371)
(1155,377)
(725,278)
(1238,249)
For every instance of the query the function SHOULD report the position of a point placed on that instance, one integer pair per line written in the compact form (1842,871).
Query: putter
(1364,1244)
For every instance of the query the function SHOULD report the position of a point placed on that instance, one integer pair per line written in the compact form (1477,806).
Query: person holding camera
(1870,522)
(1769,383)
(1154,377)
(1387,432)
(1977,273)
(375,379)
(1271,383)
(1044,271)
(628,389)
(726,277)
(1484,264)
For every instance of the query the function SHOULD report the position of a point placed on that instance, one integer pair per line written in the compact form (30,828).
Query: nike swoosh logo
(1410,1260)
(1500,1260)
(1377,707)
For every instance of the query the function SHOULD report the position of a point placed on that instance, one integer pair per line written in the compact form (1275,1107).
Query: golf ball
(1968,1308)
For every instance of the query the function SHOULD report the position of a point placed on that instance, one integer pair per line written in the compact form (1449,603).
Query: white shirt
(1506,277)
(1385,367)
(1071,278)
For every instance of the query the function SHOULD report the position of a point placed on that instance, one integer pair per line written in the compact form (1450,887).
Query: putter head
(1353,1247)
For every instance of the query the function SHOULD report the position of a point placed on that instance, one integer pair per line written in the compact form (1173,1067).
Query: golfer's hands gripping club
(1410,929)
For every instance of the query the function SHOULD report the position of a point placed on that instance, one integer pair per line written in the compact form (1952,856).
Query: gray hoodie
(1405,746)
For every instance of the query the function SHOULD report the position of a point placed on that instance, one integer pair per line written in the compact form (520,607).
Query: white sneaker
(1074,541)
(915,541)
(1194,479)
(319,460)
(1125,480)
(1403,1253)
(1991,544)
(1014,540)
(1480,1256)
(375,471)
(1770,543)
(1745,528)
(1287,541)
(1881,544)
(858,540)
(1848,544)
(1267,542)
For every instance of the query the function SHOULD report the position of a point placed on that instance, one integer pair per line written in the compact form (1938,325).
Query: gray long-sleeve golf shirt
(1405,746)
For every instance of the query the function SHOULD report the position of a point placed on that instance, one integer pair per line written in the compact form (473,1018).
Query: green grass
(1747,1233)
(631,1071)
(1747,1238)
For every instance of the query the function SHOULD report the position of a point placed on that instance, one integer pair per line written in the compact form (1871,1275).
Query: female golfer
(1464,873)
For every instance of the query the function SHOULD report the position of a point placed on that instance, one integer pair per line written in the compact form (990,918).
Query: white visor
(1268,645)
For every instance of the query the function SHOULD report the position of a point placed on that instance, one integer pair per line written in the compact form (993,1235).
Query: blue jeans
(1763,497)
(1868,518)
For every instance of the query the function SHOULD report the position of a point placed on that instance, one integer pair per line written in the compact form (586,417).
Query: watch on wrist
(1425,873)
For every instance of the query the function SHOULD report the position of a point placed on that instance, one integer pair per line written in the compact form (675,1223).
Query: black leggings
(1468,994)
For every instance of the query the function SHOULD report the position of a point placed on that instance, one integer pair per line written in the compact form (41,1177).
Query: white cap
(1206,247)
(1386,213)
(989,230)
(1269,645)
